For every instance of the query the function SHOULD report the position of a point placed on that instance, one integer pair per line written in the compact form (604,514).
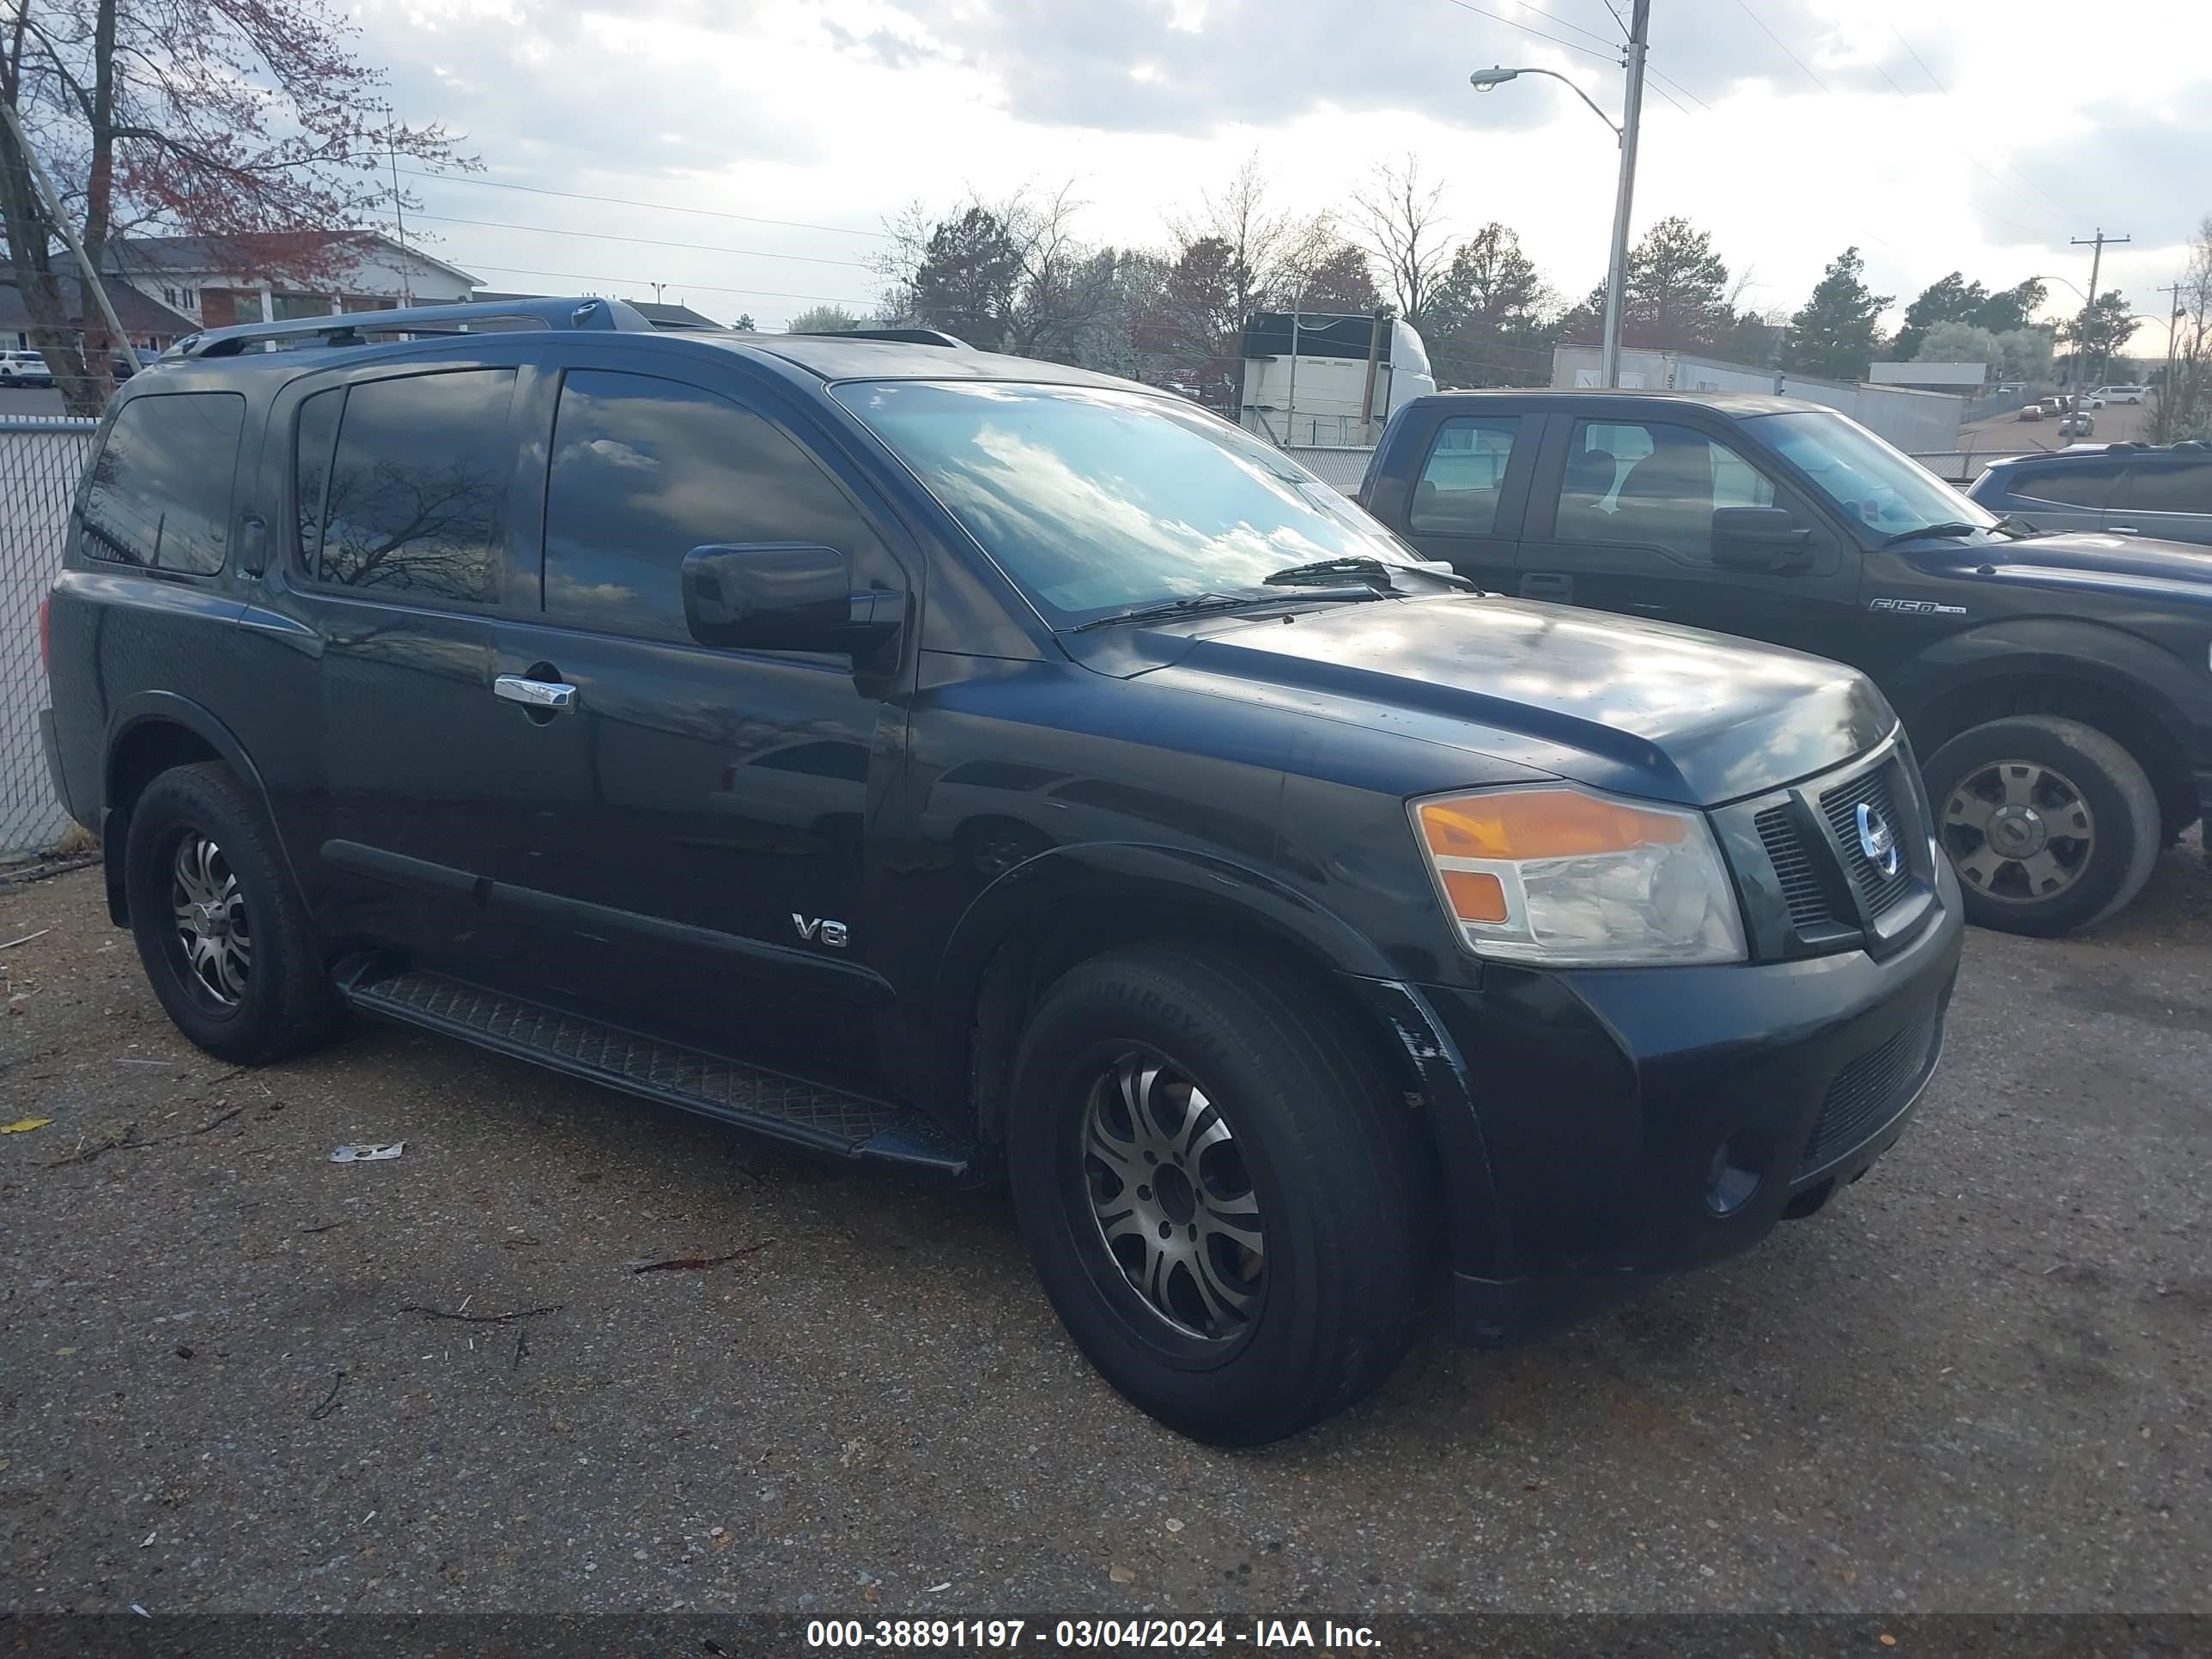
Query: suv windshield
(1872,483)
(1095,501)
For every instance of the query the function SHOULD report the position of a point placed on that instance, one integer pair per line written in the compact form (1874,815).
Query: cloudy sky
(1974,135)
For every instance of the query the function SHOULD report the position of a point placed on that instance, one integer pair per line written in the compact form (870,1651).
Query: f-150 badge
(1916,607)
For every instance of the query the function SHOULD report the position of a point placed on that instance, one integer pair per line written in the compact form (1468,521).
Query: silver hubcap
(2019,832)
(1172,1199)
(210,918)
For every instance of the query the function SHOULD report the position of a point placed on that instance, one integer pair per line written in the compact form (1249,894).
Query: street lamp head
(1484,79)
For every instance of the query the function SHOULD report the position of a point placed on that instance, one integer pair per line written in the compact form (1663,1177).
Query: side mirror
(1759,539)
(780,596)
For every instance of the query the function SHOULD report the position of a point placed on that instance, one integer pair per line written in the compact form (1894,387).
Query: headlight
(1566,877)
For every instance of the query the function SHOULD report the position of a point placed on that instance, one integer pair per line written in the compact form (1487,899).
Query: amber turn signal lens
(1541,823)
(1475,895)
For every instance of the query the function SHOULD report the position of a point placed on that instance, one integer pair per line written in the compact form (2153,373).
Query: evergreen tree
(1834,333)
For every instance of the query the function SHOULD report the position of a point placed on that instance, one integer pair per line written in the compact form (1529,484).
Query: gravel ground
(1978,1381)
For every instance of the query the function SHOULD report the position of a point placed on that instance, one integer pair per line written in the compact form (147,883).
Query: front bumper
(1603,1101)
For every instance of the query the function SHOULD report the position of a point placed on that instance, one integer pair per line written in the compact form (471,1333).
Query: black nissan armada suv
(986,768)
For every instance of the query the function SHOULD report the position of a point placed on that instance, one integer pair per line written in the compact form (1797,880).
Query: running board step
(783,1108)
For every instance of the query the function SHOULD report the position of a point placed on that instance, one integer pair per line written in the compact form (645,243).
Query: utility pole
(1631,109)
(2096,263)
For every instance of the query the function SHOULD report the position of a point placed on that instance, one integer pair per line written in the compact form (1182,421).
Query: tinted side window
(2068,486)
(1457,495)
(645,470)
(417,484)
(159,495)
(314,437)
(1652,483)
(2171,488)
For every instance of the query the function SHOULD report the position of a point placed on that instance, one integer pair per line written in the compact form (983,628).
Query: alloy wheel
(210,918)
(1172,1199)
(2017,832)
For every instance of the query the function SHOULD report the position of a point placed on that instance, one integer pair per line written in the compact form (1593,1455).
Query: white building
(1917,422)
(239,279)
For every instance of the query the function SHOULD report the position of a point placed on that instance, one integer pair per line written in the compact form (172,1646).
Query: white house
(231,279)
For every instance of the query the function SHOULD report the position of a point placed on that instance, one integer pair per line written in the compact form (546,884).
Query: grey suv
(2128,490)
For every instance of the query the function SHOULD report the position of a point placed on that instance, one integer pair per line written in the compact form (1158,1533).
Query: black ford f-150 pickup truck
(982,767)
(2058,687)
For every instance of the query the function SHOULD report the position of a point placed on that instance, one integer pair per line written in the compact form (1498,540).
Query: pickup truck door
(1620,518)
(1462,503)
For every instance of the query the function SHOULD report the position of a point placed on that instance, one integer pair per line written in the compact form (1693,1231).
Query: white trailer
(1328,379)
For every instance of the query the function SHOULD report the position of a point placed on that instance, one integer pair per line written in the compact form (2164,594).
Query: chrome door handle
(533,694)
(2123,530)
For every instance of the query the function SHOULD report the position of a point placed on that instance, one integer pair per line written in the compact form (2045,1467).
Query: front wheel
(2051,826)
(1226,1198)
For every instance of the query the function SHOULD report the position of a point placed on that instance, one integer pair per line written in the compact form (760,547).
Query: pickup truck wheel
(224,938)
(2051,826)
(1224,1195)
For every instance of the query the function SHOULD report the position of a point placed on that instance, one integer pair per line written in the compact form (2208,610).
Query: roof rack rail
(898,336)
(583,312)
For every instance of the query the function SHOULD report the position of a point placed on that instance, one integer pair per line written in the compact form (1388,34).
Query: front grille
(1877,891)
(1793,868)
(1868,1092)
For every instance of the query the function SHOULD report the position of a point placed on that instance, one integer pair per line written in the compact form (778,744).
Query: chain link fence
(40,457)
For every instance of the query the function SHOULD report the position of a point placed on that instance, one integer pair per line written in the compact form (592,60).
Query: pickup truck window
(1866,480)
(159,495)
(1652,483)
(1457,495)
(1093,501)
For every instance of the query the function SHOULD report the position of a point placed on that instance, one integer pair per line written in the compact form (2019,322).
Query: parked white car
(2121,394)
(24,368)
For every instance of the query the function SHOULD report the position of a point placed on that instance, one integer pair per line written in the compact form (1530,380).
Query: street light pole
(1616,278)
(1631,109)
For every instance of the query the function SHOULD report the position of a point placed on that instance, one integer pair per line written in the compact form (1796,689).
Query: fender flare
(1133,872)
(144,708)
(2093,653)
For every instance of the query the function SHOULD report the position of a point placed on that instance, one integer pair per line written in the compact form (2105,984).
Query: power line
(1663,92)
(643,241)
(704,288)
(1936,81)
(1586,35)
(658,207)
(1784,45)
(1512,23)
(1677,87)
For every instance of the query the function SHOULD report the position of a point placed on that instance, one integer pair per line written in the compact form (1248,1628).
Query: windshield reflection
(1096,500)
(1872,483)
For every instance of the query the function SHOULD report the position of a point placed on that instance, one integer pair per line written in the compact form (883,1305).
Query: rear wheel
(224,938)
(1224,1195)
(2051,826)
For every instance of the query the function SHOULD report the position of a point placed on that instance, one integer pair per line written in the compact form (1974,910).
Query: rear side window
(2186,487)
(645,470)
(1652,483)
(2068,486)
(1457,495)
(159,495)
(414,490)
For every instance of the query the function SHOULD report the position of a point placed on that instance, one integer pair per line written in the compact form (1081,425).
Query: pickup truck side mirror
(782,595)
(1759,539)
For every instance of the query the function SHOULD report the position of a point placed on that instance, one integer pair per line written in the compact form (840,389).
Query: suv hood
(1641,707)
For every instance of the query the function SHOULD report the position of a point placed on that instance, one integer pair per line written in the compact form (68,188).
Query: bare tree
(1399,220)
(2185,393)
(1269,251)
(222,118)
(1011,275)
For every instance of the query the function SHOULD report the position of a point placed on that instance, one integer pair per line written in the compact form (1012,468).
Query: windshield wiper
(1323,573)
(2019,528)
(1951,527)
(1203,602)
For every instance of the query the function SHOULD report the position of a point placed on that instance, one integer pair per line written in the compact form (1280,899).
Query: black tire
(1322,1142)
(2061,765)
(281,1001)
